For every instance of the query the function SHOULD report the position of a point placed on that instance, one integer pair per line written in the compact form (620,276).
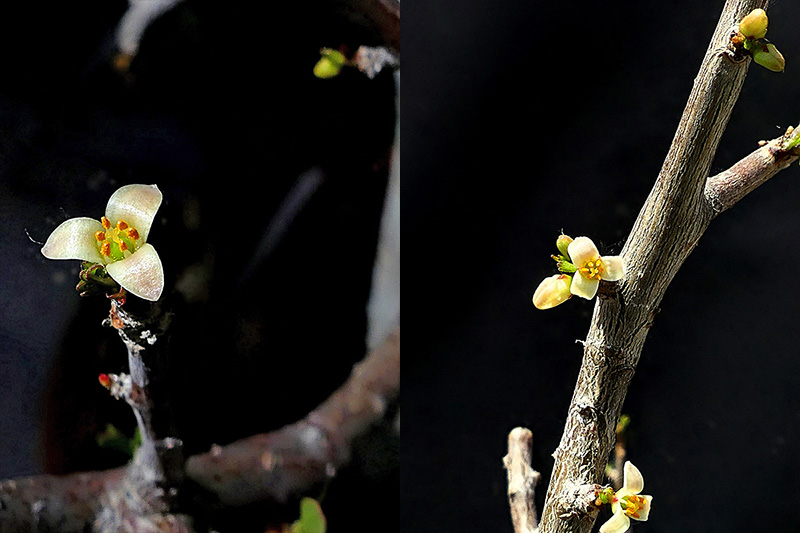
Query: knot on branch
(578,501)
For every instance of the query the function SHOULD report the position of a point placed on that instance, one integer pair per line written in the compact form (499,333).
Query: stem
(522,480)
(668,227)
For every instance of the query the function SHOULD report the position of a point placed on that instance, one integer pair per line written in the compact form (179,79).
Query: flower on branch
(626,503)
(122,249)
(581,268)
(591,267)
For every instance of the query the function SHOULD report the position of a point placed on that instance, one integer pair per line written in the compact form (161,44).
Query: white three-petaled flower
(627,503)
(591,268)
(123,247)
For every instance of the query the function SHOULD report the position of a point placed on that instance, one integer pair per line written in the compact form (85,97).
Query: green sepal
(563,265)
(605,496)
(94,280)
(768,56)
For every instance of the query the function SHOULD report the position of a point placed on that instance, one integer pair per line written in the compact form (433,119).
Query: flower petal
(614,268)
(644,512)
(583,286)
(141,274)
(136,205)
(633,482)
(74,239)
(582,250)
(619,523)
(552,291)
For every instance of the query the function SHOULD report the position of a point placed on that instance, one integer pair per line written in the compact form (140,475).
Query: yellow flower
(122,247)
(627,503)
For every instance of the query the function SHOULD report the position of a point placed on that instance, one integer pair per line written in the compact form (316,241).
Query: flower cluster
(582,267)
(120,248)
(748,39)
(626,503)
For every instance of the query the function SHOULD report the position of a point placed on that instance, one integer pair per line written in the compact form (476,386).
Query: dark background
(522,119)
(221,110)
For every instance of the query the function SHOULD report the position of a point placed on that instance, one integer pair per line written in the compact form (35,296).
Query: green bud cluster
(94,280)
(749,40)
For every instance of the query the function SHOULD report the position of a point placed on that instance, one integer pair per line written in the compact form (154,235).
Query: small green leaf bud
(769,57)
(563,243)
(754,25)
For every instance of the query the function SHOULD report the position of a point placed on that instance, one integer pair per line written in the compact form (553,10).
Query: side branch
(289,461)
(725,189)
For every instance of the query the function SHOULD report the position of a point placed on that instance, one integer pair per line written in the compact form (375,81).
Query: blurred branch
(275,466)
(522,480)
(269,467)
(675,215)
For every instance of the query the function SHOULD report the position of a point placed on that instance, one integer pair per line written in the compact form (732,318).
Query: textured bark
(668,227)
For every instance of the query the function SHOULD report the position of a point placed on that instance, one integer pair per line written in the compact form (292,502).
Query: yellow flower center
(592,269)
(118,242)
(632,504)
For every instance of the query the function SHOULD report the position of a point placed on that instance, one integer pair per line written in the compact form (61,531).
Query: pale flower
(552,291)
(591,267)
(627,503)
(121,248)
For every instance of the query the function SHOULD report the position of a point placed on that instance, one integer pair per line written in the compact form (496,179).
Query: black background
(522,119)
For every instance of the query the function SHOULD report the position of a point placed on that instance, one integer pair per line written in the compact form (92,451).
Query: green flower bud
(330,64)
(769,57)
(754,25)
(563,243)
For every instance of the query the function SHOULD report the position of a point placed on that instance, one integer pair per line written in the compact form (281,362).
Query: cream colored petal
(141,274)
(136,205)
(583,286)
(619,523)
(614,268)
(74,239)
(644,513)
(633,482)
(552,291)
(582,250)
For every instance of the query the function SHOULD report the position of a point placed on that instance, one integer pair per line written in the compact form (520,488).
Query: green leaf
(311,518)
(113,439)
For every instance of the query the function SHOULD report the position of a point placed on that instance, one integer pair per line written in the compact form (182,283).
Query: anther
(123,246)
(132,233)
(104,380)
(122,225)
(100,236)
(105,222)
(105,249)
